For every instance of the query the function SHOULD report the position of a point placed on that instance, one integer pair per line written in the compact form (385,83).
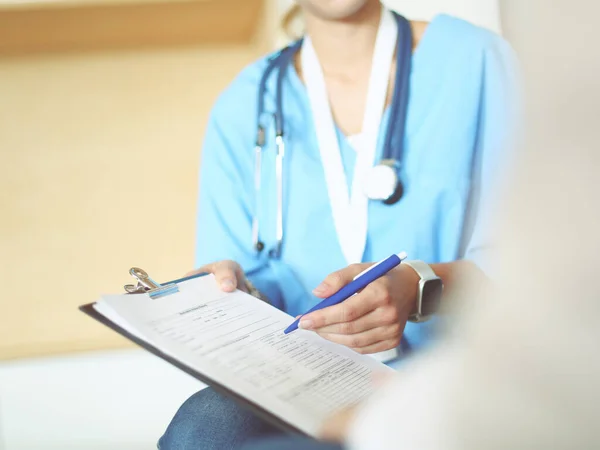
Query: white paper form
(238,341)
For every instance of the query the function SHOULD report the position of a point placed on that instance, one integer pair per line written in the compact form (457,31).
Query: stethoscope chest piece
(383,183)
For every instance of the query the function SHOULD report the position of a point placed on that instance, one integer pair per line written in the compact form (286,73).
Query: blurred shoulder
(465,37)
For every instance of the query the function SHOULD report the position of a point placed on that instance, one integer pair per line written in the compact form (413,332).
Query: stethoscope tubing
(393,148)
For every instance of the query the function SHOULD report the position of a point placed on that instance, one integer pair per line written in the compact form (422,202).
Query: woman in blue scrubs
(462,100)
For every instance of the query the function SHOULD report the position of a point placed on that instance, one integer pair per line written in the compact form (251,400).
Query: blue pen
(360,282)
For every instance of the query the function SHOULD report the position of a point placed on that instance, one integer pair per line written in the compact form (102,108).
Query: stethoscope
(384,181)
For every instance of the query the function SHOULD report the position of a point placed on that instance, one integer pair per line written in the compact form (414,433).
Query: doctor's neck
(343,43)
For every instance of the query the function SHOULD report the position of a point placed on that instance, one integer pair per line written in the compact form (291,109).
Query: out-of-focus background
(103,105)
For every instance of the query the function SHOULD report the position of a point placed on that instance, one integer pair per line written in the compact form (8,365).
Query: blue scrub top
(462,99)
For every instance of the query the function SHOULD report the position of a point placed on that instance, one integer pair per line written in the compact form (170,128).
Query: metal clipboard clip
(146,285)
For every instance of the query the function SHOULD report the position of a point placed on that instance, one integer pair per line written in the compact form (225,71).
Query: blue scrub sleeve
(500,113)
(224,226)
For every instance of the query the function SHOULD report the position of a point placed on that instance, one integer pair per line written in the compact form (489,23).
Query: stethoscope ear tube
(394,138)
(280,61)
(260,143)
(258,245)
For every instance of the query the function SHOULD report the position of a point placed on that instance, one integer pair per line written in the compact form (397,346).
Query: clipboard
(155,290)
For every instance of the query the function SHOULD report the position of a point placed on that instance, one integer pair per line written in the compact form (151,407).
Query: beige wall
(98,172)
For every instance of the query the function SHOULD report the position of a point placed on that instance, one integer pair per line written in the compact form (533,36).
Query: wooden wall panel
(80,26)
(90,144)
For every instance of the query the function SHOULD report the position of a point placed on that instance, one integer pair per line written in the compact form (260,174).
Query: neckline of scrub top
(354,139)
(416,61)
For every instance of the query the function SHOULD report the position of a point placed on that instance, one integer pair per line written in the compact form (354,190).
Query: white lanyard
(350,213)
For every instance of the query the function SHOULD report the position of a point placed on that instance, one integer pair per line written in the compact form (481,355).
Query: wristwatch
(429,294)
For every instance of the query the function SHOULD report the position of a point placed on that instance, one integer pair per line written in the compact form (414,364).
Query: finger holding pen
(373,319)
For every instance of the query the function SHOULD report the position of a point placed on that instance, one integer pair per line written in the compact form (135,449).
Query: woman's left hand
(371,321)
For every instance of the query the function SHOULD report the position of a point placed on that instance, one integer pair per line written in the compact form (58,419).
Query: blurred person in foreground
(523,368)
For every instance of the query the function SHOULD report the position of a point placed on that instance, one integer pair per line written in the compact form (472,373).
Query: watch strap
(422,268)
(426,273)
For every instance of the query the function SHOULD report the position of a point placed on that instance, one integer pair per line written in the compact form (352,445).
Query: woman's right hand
(229,275)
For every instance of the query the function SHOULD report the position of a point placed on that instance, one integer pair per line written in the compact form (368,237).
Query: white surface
(108,400)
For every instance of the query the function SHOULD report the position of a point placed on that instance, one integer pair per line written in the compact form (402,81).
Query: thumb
(336,280)
(226,274)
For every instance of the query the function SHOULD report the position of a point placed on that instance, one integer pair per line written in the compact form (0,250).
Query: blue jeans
(289,443)
(209,420)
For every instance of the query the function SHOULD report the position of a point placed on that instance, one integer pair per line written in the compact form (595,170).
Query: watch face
(432,294)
